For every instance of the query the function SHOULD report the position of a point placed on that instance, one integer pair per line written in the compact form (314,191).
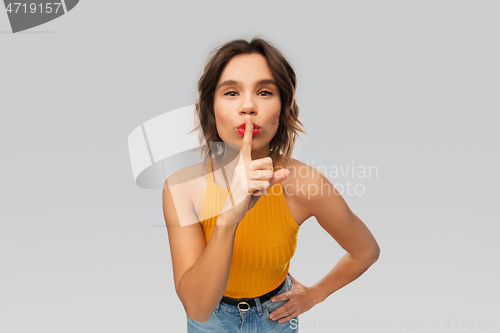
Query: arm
(327,205)
(201,271)
(335,216)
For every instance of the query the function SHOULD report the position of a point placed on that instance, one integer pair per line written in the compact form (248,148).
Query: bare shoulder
(302,170)
(187,185)
(306,185)
(301,174)
(187,176)
(295,189)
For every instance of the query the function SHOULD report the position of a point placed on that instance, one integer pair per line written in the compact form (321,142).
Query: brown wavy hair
(282,144)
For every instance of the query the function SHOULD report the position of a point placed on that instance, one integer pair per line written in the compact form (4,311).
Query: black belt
(249,302)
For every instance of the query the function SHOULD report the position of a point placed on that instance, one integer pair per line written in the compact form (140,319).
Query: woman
(231,270)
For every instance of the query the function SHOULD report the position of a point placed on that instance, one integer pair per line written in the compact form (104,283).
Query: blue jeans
(228,318)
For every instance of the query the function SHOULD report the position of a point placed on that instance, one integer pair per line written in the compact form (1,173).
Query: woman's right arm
(201,271)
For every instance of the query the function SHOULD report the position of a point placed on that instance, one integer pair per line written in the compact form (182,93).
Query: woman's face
(247,86)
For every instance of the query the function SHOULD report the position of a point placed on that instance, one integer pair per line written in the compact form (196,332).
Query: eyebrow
(233,82)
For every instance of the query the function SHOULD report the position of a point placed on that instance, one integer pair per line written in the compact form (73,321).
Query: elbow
(369,257)
(195,309)
(198,313)
(197,317)
(375,254)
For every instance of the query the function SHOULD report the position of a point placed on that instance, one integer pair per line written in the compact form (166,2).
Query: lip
(255,126)
(241,131)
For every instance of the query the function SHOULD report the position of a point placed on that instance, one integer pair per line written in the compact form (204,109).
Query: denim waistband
(258,305)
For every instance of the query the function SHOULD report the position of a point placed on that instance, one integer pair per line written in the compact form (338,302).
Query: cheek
(277,112)
(221,124)
(276,119)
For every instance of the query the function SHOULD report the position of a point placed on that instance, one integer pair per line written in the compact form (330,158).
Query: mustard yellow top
(264,244)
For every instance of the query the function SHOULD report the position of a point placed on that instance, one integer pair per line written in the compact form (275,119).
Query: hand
(300,299)
(251,180)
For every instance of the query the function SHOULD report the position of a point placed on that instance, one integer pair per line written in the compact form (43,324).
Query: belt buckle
(248,306)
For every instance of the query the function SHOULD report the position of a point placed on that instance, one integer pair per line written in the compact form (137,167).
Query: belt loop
(258,305)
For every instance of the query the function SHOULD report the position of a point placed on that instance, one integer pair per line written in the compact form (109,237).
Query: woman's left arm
(334,215)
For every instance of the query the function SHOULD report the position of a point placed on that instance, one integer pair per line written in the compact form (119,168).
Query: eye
(231,93)
(266,93)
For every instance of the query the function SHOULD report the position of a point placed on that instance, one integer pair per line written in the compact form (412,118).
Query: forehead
(246,66)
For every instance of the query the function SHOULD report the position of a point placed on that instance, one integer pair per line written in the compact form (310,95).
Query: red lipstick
(241,129)
(244,126)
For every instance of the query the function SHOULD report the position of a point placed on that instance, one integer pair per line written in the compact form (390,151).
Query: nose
(248,105)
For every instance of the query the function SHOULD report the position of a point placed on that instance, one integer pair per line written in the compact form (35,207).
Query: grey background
(411,87)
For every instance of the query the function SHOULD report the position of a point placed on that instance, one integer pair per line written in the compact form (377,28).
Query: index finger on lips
(246,147)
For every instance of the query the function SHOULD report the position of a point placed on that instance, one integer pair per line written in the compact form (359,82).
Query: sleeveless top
(264,243)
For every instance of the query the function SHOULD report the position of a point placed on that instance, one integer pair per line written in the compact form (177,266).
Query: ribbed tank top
(264,244)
